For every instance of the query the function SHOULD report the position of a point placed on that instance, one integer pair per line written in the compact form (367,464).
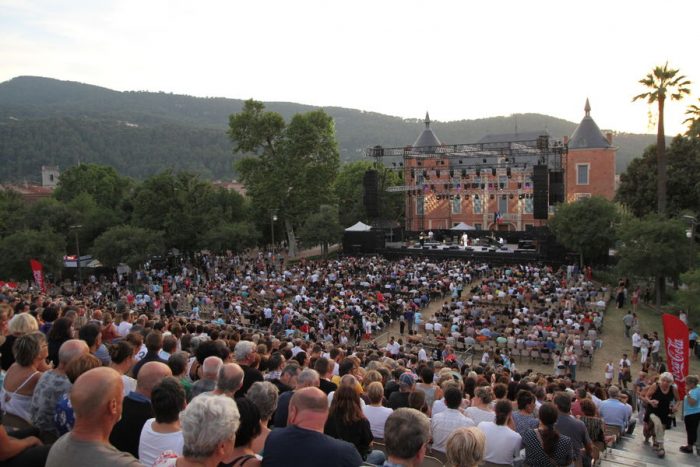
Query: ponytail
(550,437)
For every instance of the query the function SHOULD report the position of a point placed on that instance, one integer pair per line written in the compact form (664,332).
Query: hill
(45,121)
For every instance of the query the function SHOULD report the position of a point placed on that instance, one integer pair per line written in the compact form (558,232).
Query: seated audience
(465,447)
(163,432)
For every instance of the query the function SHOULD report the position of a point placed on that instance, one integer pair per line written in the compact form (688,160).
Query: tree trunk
(291,238)
(661,161)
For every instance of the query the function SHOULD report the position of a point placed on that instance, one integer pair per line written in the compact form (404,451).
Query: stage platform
(504,254)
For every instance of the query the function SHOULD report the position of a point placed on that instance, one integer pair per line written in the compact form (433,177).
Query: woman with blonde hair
(465,447)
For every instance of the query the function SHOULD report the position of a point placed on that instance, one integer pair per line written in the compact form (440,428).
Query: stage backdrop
(677,349)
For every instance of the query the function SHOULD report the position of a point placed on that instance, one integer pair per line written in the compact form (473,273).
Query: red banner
(9,285)
(38,271)
(677,349)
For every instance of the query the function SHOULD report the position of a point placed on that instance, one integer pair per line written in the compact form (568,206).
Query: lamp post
(75,229)
(690,233)
(272,229)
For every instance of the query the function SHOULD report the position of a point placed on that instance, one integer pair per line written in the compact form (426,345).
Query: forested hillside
(50,122)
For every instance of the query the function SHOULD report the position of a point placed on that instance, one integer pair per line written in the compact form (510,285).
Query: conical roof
(427,138)
(587,135)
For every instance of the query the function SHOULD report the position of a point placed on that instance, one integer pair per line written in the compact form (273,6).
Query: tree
(586,226)
(662,83)
(18,248)
(294,165)
(638,185)
(128,244)
(690,296)
(322,228)
(693,120)
(653,247)
(102,182)
(12,212)
(230,236)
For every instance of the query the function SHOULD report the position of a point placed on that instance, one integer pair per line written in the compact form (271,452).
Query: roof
(427,138)
(359,227)
(508,137)
(587,135)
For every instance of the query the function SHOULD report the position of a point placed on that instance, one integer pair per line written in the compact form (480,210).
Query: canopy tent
(359,227)
(463,226)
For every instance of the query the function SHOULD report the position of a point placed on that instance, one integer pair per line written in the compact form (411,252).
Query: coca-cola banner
(38,271)
(677,349)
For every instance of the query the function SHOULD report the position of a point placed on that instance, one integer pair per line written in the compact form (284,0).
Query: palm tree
(662,83)
(693,120)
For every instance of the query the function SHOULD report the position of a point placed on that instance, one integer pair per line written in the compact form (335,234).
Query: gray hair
(243,349)
(211,367)
(308,378)
(230,378)
(206,422)
(666,376)
(613,392)
(264,395)
(405,432)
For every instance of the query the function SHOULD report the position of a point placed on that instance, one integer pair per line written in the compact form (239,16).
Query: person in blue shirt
(691,412)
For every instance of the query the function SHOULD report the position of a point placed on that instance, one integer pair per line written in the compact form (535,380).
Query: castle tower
(49,176)
(590,163)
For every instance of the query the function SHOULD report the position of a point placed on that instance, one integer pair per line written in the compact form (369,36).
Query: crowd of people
(245,361)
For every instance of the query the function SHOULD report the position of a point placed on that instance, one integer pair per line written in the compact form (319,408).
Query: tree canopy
(586,226)
(294,166)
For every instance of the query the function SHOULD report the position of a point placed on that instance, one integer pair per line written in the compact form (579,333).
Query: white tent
(359,227)
(463,226)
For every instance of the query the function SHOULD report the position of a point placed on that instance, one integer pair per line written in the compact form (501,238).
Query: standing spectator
(628,320)
(92,335)
(154,343)
(96,398)
(660,397)
(307,378)
(264,395)
(465,447)
(61,331)
(302,442)
(524,418)
(691,413)
(406,436)
(20,325)
(210,373)
(248,431)
(544,445)
(502,442)
(399,398)
(323,367)
(64,418)
(615,412)
(448,420)
(121,357)
(163,432)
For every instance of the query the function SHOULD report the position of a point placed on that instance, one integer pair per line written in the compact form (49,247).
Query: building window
(457,205)
(503,182)
(527,205)
(477,206)
(503,204)
(582,174)
(420,205)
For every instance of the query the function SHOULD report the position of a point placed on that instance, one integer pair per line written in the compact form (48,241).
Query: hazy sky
(457,59)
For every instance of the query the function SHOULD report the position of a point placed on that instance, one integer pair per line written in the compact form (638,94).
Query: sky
(465,59)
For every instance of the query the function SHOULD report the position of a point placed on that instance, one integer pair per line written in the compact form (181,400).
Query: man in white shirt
(393,347)
(422,355)
(636,344)
(125,326)
(437,327)
(502,442)
(448,420)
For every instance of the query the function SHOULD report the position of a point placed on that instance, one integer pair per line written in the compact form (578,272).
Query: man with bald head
(230,380)
(52,385)
(96,398)
(302,442)
(137,408)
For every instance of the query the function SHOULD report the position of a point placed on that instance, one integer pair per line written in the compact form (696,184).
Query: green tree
(322,228)
(230,236)
(12,212)
(103,183)
(18,248)
(653,247)
(586,226)
(662,83)
(693,120)
(294,165)
(689,297)
(127,244)
(638,185)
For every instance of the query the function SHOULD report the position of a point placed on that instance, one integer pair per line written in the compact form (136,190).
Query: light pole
(75,229)
(272,229)
(690,233)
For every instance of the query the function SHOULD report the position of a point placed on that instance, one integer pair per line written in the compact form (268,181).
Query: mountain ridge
(142,132)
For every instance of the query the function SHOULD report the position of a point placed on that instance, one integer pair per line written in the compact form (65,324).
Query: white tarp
(359,227)
(462,226)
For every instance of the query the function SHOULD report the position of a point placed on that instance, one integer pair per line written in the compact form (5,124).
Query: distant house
(31,192)
(230,186)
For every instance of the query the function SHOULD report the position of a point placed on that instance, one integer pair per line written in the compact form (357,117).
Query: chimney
(608,135)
